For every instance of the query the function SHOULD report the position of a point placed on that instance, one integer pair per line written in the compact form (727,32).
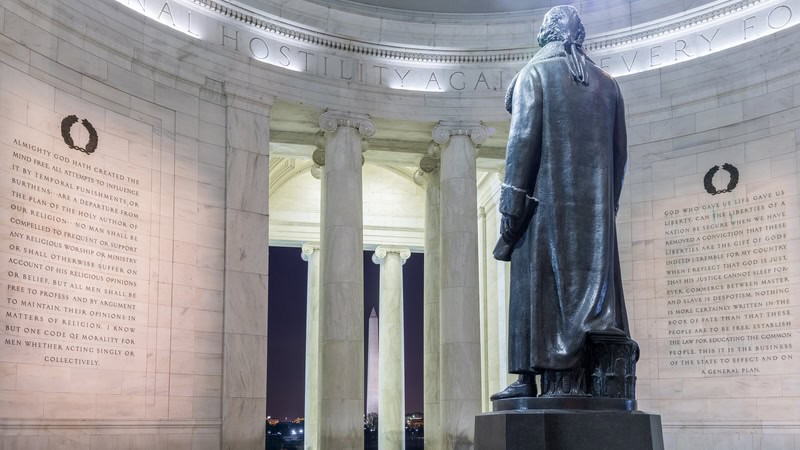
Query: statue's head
(561,24)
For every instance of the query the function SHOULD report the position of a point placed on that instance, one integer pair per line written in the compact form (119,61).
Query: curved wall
(438,25)
(200,111)
(328,67)
(711,279)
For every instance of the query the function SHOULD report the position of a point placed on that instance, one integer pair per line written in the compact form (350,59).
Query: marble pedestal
(568,430)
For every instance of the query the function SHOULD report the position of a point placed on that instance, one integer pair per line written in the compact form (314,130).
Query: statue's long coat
(566,154)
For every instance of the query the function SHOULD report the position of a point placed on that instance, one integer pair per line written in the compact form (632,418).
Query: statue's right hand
(502,251)
(508,237)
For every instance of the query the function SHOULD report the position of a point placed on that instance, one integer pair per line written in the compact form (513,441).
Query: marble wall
(711,279)
(182,149)
(158,324)
(118,329)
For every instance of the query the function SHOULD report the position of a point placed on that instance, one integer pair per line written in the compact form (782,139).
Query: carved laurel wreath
(708,180)
(66,126)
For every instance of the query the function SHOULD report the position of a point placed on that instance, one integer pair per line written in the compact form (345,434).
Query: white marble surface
(219,62)
(373,363)
(695,121)
(247,186)
(311,254)
(342,296)
(494,292)
(246,269)
(160,93)
(245,308)
(431,312)
(391,359)
(173,394)
(459,391)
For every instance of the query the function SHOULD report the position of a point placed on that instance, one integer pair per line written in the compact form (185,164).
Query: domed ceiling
(645,10)
(454,6)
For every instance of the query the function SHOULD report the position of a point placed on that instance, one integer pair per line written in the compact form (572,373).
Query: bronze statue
(565,163)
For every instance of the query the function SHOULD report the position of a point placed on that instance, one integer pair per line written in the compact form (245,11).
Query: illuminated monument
(372,364)
(153,150)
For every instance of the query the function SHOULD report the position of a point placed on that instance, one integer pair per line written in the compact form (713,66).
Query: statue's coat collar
(551,50)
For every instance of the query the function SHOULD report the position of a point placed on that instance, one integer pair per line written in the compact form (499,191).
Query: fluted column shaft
(391,366)
(428,175)
(342,294)
(311,254)
(460,358)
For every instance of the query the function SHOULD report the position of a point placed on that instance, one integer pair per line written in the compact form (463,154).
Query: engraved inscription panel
(725,284)
(76,246)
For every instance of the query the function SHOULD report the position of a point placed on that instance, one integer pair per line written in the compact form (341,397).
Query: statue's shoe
(525,386)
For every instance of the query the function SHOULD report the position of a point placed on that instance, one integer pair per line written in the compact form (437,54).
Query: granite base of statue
(591,407)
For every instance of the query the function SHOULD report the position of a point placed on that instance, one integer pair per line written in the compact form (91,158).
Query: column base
(568,430)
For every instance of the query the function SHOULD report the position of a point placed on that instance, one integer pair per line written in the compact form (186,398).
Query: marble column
(483,260)
(460,357)
(493,289)
(311,254)
(391,367)
(342,294)
(244,341)
(373,357)
(428,175)
(503,297)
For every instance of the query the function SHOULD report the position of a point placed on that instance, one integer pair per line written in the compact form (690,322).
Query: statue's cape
(549,51)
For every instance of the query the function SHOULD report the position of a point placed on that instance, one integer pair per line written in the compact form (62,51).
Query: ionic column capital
(475,130)
(383,250)
(432,158)
(319,154)
(430,162)
(308,249)
(329,121)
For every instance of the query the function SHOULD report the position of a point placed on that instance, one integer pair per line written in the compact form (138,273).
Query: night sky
(287,328)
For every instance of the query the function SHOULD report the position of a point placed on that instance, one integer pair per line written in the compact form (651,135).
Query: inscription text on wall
(682,44)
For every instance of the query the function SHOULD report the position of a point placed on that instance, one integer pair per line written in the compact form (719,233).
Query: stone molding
(668,25)
(330,120)
(207,67)
(382,251)
(282,170)
(336,43)
(248,99)
(475,130)
(618,38)
(308,249)
(111,425)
